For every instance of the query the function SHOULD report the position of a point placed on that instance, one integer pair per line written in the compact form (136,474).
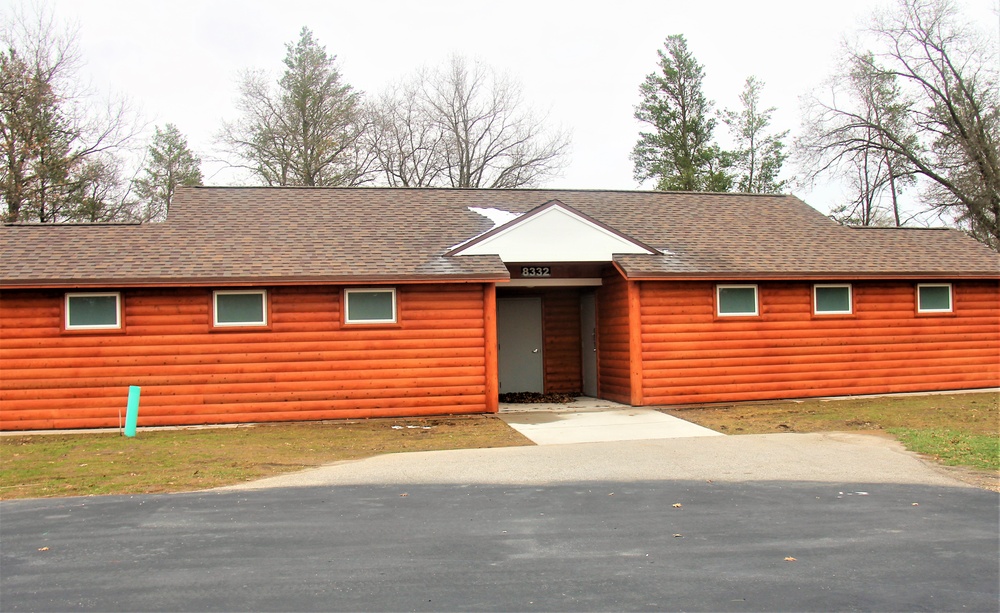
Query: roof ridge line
(899,227)
(483,189)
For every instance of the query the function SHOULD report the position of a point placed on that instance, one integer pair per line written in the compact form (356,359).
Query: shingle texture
(260,235)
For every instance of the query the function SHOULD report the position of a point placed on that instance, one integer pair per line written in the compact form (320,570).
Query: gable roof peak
(553,232)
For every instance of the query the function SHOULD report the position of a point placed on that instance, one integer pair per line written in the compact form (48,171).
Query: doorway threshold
(581,404)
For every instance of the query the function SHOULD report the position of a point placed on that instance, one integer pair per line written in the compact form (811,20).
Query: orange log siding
(691,356)
(492,349)
(561,323)
(613,340)
(635,344)
(307,365)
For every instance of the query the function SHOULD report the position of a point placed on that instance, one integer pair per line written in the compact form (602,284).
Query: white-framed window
(736,300)
(370,306)
(93,311)
(832,299)
(934,298)
(245,307)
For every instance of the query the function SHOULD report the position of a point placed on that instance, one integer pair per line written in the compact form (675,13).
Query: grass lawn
(955,429)
(192,459)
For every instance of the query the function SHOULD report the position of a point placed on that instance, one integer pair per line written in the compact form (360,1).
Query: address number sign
(536,271)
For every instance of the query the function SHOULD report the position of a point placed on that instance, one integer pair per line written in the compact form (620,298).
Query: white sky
(581,62)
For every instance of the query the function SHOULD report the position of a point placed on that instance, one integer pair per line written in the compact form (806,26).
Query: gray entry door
(519,332)
(588,341)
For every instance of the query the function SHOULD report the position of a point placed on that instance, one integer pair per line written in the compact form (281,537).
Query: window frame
(265,310)
(718,299)
(951,299)
(850,299)
(370,290)
(118,325)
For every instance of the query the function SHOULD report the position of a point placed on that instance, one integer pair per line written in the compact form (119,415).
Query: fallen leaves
(677,505)
(536,398)
(790,559)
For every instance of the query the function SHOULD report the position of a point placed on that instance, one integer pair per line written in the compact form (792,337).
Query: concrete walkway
(598,440)
(590,420)
(827,457)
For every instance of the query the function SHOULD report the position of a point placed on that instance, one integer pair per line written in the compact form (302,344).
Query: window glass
(934,298)
(737,299)
(92,311)
(833,298)
(240,308)
(371,306)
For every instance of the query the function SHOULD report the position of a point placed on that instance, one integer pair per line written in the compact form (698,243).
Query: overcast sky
(580,62)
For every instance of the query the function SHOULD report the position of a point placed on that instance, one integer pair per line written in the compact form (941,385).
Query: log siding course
(613,350)
(561,324)
(691,356)
(307,366)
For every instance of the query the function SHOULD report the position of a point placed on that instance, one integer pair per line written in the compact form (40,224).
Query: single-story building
(276,304)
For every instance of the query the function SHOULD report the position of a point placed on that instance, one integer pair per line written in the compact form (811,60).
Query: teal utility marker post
(133,410)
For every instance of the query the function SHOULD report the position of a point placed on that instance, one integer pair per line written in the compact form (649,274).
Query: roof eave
(804,276)
(251,281)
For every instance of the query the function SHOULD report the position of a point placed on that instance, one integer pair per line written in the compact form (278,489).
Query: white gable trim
(553,232)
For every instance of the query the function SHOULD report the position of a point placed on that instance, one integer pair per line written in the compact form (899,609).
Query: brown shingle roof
(327,235)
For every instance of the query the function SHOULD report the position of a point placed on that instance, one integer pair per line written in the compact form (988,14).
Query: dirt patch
(979,478)
(975,413)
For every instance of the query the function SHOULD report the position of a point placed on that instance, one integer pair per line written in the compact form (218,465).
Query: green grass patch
(193,459)
(952,447)
(957,429)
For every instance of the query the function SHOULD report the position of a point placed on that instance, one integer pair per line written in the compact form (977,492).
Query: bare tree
(464,125)
(834,141)
(307,131)
(954,69)
(868,172)
(103,193)
(51,134)
(944,124)
(405,140)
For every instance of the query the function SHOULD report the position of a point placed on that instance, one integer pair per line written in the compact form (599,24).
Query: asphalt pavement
(588,546)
